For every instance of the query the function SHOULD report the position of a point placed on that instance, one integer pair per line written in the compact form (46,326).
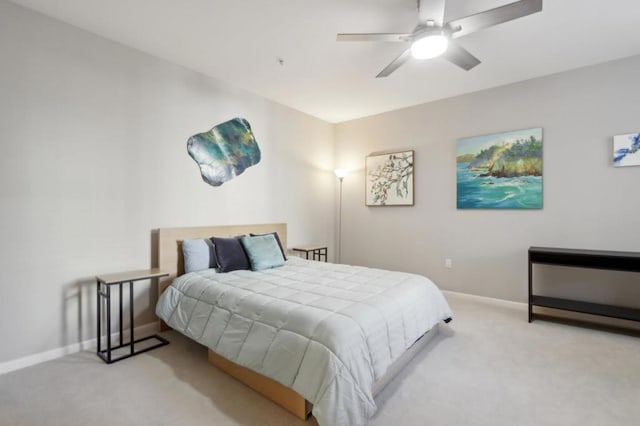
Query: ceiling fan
(432,37)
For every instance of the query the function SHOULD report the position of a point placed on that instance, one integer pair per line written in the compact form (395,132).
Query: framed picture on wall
(389,179)
(500,171)
(626,150)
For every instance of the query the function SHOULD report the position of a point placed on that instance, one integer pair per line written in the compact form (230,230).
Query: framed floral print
(389,179)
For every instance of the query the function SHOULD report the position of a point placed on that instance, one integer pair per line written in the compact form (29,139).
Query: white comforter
(327,331)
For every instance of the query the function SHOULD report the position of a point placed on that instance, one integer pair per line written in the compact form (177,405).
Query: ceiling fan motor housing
(433,37)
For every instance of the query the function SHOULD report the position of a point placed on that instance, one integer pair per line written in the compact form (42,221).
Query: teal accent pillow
(275,234)
(263,251)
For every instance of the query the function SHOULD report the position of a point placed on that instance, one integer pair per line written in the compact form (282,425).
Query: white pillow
(198,255)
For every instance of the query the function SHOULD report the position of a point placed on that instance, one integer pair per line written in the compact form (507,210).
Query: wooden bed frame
(169,258)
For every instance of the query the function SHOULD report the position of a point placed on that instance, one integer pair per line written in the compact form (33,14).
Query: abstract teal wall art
(626,150)
(225,151)
(500,171)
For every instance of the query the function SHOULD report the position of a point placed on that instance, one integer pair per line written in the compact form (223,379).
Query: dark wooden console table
(594,259)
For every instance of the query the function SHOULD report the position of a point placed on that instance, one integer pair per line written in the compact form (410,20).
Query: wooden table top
(121,277)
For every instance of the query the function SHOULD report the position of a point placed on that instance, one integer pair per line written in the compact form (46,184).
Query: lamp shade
(430,46)
(341,173)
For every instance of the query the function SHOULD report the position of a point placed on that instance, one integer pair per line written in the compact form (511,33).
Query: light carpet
(488,367)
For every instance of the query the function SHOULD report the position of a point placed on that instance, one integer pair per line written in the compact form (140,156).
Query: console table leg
(99,315)
(530,289)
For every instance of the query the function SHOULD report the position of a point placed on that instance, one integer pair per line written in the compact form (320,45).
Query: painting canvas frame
(389,179)
(626,150)
(500,170)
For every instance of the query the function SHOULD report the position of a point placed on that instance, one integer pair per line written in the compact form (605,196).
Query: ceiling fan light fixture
(430,46)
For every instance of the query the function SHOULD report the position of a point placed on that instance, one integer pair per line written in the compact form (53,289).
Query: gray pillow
(230,254)
(198,255)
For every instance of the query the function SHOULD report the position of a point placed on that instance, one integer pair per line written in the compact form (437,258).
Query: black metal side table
(104,283)
(317,252)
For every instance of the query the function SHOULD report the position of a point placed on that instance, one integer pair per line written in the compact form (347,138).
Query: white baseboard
(493,300)
(29,360)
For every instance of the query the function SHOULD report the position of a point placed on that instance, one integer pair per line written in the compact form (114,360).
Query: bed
(311,336)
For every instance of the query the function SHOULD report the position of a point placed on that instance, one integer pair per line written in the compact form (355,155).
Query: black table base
(593,259)
(106,354)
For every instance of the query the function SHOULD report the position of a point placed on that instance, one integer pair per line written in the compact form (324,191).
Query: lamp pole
(340,173)
(340,221)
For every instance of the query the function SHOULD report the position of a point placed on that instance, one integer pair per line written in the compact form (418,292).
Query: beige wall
(587,202)
(93,138)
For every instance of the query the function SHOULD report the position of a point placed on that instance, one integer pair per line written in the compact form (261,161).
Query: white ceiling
(239,41)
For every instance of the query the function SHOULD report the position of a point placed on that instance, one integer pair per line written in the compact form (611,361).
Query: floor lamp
(340,173)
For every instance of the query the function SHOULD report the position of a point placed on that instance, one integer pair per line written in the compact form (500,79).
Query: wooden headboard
(169,240)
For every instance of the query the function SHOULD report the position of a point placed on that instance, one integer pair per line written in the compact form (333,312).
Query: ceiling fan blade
(395,64)
(431,10)
(460,56)
(491,17)
(374,37)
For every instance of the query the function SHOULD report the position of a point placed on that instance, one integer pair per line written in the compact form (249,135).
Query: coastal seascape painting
(389,179)
(500,171)
(626,150)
